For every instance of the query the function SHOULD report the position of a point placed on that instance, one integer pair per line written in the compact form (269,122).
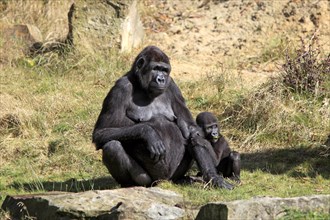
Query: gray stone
(132,32)
(16,40)
(263,208)
(125,203)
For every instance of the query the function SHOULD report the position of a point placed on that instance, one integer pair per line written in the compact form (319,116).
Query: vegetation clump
(306,71)
(290,109)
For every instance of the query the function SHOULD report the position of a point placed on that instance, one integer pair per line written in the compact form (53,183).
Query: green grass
(296,214)
(255,183)
(56,109)
(49,106)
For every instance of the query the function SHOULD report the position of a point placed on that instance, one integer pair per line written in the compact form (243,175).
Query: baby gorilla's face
(211,132)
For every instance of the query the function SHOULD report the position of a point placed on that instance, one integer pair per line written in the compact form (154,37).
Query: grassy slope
(57,106)
(48,112)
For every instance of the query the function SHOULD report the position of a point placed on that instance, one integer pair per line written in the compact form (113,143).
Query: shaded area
(295,162)
(71,185)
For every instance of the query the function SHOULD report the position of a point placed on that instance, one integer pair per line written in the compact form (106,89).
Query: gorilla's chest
(158,107)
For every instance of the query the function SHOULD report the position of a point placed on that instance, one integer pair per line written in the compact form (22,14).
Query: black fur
(144,127)
(226,161)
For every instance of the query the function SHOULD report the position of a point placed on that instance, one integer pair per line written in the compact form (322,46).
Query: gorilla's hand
(195,131)
(200,141)
(219,181)
(188,131)
(155,146)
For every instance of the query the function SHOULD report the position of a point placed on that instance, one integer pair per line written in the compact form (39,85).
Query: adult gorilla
(144,127)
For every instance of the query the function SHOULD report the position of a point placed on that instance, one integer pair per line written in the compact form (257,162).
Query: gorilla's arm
(185,120)
(113,124)
(205,160)
(200,141)
(134,132)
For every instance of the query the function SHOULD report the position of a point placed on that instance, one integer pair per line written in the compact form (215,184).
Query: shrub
(306,71)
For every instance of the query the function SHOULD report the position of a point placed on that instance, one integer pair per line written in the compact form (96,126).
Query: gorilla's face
(211,132)
(159,77)
(209,123)
(152,68)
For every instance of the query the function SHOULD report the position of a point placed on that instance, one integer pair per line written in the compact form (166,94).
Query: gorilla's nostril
(160,79)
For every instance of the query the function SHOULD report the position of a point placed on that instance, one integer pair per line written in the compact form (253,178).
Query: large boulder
(125,203)
(132,30)
(263,208)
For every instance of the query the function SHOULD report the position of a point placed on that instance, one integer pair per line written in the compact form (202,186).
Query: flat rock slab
(125,203)
(263,208)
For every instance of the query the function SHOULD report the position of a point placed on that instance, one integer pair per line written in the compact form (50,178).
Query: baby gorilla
(226,161)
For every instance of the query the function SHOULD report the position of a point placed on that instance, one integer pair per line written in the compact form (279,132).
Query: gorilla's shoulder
(122,87)
(174,88)
(123,83)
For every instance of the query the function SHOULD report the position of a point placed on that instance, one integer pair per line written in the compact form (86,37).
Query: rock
(125,203)
(24,32)
(49,16)
(263,208)
(17,38)
(132,32)
(24,39)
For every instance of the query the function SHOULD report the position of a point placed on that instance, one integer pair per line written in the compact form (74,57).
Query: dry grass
(35,12)
(47,116)
(49,105)
(308,71)
(49,110)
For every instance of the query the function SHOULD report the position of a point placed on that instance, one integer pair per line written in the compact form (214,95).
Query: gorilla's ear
(140,63)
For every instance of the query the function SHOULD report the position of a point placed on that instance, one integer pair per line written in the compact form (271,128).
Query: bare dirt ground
(243,36)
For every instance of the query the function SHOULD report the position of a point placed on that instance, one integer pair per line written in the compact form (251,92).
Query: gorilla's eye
(208,129)
(161,69)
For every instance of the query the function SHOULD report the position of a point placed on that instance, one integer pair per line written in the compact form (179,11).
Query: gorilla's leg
(236,161)
(206,166)
(231,166)
(122,167)
(225,167)
(182,169)
(179,176)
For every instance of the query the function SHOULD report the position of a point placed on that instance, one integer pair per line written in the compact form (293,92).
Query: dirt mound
(199,35)
(245,35)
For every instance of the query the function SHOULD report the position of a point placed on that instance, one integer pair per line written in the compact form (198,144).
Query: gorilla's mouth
(156,90)
(157,87)
(215,138)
